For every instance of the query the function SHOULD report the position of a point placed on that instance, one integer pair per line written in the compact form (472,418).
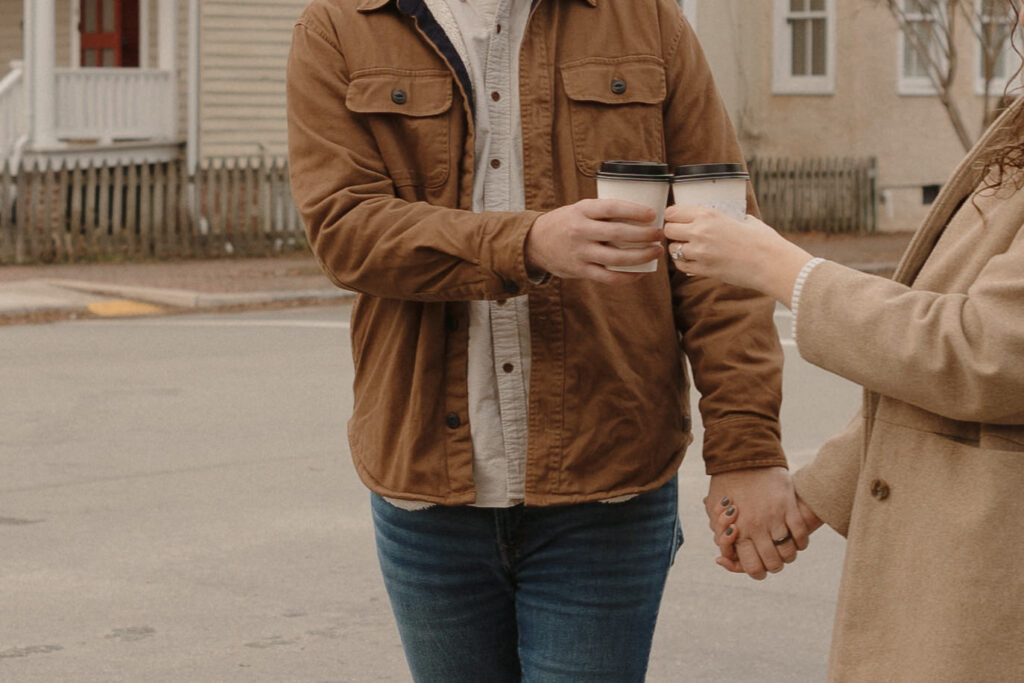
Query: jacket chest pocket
(409,114)
(615,107)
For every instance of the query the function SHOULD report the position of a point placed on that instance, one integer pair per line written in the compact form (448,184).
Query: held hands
(572,241)
(747,253)
(772,527)
(730,530)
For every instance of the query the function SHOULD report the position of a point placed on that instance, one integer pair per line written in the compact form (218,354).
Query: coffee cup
(719,186)
(642,182)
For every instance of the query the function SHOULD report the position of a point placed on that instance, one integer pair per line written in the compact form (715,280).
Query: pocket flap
(619,80)
(407,93)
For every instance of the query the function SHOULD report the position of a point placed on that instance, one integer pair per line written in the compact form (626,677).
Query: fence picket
(825,194)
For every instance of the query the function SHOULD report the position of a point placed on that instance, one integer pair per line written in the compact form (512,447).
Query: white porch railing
(13,111)
(115,104)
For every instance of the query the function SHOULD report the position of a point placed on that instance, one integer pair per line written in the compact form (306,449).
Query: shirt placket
(510,318)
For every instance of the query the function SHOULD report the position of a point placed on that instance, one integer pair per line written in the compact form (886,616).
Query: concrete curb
(185,298)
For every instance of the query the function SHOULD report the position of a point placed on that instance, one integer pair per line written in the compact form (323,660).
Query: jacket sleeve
(959,355)
(366,238)
(727,333)
(828,484)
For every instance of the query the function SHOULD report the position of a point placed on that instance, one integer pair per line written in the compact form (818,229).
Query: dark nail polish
(728,531)
(725,502)
(730,512)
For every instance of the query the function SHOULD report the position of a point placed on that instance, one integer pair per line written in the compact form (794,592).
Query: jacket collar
(373,5)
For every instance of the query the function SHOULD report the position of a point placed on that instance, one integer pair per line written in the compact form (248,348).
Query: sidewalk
(44,293)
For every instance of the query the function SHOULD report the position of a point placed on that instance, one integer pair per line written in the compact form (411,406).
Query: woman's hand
(726,534)
(748,253)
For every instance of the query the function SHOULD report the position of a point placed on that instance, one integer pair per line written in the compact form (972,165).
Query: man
(520,409)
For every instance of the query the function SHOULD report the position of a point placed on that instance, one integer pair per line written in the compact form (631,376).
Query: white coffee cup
(719,186)
(642,182)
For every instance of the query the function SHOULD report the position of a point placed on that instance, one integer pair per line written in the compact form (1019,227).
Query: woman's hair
(1008,157)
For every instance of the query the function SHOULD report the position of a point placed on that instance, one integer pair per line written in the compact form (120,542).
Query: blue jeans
(564,594)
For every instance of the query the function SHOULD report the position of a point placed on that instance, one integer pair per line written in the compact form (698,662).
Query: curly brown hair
(1007,157)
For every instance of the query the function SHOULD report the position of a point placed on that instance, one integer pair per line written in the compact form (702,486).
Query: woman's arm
(956,354)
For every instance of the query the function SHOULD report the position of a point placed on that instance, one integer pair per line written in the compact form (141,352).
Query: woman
(927,482)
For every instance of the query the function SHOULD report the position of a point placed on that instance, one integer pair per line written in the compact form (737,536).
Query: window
(922,46)
(804,47)
(994,52)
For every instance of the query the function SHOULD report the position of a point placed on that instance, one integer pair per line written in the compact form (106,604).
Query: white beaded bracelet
(798,286)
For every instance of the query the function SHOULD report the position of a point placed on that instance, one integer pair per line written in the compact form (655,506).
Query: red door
(109,32)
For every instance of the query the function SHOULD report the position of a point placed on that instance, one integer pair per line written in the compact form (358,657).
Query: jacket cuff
(815,489)
(742,443)
(509,258)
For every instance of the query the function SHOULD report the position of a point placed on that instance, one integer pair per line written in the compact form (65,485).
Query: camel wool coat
(927,483)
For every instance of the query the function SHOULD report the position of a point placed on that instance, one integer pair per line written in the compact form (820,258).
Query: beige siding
(244,46)
(866,116)
(10,33)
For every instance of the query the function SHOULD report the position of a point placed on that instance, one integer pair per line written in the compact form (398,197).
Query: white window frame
(913,85)
(1011,61)
(784,82)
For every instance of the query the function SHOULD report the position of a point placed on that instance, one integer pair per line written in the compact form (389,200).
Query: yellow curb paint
(121,307)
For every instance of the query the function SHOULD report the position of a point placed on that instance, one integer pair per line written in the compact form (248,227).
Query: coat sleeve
(828,483)
(727,333)
(959,355)
(366,238)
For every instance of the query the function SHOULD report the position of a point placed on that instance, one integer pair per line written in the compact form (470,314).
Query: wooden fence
(70,212)
(826,195)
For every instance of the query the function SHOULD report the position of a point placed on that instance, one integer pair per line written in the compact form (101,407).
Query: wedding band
(780,541)
(677,253)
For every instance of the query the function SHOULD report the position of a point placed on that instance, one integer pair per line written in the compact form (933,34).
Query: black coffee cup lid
(634,170)
(710,171)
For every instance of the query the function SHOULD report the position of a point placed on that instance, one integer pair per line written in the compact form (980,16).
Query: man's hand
(572,241)
(771,528)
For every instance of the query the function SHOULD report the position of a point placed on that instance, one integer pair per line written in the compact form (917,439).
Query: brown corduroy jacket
(382,147)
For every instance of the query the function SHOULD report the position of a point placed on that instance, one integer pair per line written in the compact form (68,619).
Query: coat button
(399,96)
(512,288)
(452,420)
(618,86)
(879,489)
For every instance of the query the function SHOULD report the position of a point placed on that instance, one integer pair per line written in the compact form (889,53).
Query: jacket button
(452,420)
(879,489)
(399,96)
(618,86)
(512,288)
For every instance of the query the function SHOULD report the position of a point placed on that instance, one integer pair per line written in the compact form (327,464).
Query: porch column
(167,56)
(167,34)
(40,24)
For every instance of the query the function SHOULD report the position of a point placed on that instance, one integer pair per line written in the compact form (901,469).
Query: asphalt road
(177,504)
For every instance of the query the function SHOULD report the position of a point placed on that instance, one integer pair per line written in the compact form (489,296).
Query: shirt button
(495,95)
(452,420)
(495,163)
(399,96)
(508,367)
(879,489)
(618,86)
(512,288)
(497,29)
